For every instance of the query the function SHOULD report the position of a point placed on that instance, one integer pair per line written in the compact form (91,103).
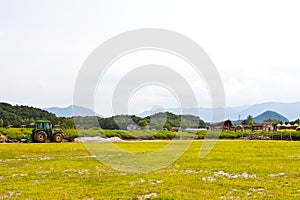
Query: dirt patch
(98,139)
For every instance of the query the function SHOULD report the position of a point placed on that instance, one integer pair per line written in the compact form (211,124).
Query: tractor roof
(42,121)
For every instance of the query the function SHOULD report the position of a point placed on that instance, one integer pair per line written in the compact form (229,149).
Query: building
(265,126)
(227,125)
(9,126)
(287,127)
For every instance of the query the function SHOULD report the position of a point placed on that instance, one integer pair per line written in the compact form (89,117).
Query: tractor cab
(42,125)
(43,131)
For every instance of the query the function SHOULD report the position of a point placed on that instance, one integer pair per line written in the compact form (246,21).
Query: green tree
(1,122)
(135,119)
(248,121)
(167,126)
(19,115)
(67,122)
(275,121)
(294,122)
(143,123)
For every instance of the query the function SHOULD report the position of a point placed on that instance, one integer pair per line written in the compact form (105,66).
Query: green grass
(233,170)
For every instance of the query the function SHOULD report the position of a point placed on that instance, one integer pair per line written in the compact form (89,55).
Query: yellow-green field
(233,170)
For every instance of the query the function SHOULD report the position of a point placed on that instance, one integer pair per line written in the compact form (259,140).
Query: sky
(254,45)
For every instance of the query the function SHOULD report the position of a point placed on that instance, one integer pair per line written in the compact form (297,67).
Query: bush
(230,135)
(209,134)
(201,134)
(15,133)
(90,132)
(163,134)
(118,133)
(287,133)
(71,132)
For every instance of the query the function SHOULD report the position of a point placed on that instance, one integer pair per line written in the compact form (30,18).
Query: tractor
(43,131)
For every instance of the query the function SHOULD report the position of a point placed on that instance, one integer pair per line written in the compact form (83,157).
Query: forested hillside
(22,115)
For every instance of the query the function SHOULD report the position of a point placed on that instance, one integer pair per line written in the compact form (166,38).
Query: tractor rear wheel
(40,136)
(57,137)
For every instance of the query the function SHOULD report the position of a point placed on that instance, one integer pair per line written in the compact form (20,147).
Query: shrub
(71,132)
(15,133)
(118,133)
(163,134)
(230,135)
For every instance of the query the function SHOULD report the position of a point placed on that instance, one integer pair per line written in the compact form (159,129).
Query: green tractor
(43,131)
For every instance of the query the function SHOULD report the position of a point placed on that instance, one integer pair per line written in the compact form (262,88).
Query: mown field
(233,170)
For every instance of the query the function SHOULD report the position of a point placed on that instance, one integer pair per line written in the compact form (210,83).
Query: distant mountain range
(69,111)
(284,111)
(291,111)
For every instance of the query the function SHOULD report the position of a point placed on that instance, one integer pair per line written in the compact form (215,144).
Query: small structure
(131,127)
(257,127)
(227,125)
(23,126)
(9,126)
(286,127)
(239,128)
(176,129)
(265,126)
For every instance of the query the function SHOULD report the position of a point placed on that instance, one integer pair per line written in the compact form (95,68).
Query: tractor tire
(40,136)
(57,138)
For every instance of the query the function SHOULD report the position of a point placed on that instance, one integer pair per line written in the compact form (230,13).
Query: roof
(224,123)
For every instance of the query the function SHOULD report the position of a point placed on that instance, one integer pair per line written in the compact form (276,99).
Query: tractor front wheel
(57,137)
(40,136)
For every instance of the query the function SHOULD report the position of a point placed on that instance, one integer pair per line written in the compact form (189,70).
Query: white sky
(254,44)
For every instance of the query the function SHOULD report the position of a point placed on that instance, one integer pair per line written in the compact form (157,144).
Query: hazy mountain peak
(69,111)
(269,115)
(291,111)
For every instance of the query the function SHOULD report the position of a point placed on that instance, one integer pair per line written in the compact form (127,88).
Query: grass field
(233,170)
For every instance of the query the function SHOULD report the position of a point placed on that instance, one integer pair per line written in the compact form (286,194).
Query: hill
(269,115)
(156,121)
(69,111)
(290,110)
(22,115)
(204,113)
(171,120)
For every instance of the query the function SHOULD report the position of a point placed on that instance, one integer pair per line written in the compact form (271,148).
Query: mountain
(269,115)
(69,111)
(290,110)
(204,113)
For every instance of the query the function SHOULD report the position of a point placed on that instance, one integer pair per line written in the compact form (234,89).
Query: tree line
(22,115)
(25,115)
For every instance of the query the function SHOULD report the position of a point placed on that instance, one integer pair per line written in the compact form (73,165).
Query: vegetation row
(19,133)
